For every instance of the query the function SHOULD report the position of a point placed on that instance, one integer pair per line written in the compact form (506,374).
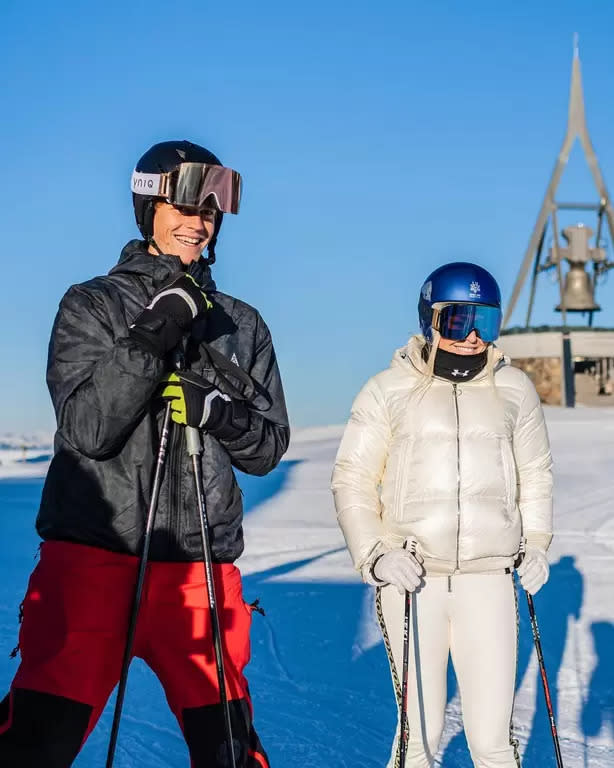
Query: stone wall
(545,373)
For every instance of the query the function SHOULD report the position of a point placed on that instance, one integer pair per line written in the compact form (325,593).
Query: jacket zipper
(458,504)
(174,491)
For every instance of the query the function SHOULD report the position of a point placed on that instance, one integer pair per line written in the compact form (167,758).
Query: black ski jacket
(105,388)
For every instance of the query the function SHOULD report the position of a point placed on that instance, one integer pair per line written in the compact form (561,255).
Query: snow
(25,455)
(34,464)
(319,676)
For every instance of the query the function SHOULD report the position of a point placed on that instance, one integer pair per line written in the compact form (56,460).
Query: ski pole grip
(412,544)
(192,438)
(522,550)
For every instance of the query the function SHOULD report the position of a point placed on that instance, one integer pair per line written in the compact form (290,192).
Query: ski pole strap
(223,370)
(372,569)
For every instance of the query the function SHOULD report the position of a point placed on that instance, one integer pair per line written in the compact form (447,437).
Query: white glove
(399,568)
(534,570)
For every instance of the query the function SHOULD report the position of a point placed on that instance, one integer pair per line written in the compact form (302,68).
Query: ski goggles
(456,321)
(193,185)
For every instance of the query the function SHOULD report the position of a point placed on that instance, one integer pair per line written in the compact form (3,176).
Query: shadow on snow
(257,490)
(557,608)
(311,630)
(323,695)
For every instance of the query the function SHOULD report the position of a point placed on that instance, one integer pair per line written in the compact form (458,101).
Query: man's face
(472,345)
(182,231)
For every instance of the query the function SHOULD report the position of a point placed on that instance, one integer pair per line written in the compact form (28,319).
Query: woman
(446,455)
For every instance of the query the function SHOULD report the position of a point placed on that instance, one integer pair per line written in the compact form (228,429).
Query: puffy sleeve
(357,476)
(534,467)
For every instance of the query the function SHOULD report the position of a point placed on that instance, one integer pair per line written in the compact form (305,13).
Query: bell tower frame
(576,129)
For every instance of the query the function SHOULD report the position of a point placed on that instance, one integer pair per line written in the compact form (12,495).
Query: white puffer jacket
(465,468)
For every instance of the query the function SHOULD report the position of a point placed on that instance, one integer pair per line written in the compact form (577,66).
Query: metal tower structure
(577,289)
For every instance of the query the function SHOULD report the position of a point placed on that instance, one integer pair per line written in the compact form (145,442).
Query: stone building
(539,352)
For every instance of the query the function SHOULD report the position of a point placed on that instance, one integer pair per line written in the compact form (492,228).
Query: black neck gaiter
(457,367)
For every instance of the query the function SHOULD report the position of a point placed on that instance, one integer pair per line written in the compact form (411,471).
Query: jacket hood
(410,358)
(135,259)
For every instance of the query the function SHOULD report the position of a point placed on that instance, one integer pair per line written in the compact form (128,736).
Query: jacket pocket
(400,480)
(509,474)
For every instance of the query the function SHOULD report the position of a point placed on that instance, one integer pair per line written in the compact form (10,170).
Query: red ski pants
(72,638)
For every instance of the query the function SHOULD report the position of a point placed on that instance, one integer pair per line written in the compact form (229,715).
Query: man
(114,347)
(443,468)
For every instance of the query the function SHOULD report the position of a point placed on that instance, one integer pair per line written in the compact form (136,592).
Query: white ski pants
(472,617)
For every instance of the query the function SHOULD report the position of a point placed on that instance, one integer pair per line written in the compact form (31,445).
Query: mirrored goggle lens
(200,185)
(193,185)
(456,321)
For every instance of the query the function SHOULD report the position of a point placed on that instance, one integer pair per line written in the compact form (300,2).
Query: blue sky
(376,142)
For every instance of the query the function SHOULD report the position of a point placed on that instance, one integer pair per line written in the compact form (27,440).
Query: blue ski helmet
(465,284)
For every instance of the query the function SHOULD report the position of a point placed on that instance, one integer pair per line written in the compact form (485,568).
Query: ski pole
(151,516)
(404,735)
(404,721)
(540,659)
(194,451)
(542,670)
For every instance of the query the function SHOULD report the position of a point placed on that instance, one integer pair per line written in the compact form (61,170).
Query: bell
(578,291)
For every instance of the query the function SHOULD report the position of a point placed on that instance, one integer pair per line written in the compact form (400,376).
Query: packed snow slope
(25,455)
(319,676)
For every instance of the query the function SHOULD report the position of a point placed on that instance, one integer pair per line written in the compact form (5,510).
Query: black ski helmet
(163,158)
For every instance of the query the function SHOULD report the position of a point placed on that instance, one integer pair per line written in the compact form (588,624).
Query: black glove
(196,403)
(161,325)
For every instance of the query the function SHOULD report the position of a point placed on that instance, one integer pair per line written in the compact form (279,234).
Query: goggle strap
(154,184)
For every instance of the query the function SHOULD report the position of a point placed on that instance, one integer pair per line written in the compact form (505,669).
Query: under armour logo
(456,372)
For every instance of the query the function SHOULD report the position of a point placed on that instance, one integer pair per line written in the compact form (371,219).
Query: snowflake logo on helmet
(474,290)
(427,290)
